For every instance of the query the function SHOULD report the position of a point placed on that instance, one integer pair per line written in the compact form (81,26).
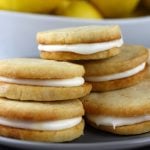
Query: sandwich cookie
(125,111)
(80,43)
(37,121)
(41,80)
(123,70)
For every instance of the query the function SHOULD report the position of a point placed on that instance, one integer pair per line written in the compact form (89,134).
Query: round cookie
(125,111)
(48,122)
(41,80)
(80,43)
(123,70)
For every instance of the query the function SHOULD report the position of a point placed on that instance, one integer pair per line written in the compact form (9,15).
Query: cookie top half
(38,111)
(128,102)
(28,68)
(129,57)
(83,34)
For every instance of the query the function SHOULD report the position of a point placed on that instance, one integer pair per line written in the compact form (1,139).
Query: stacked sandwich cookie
(39,99)
(124,112)
(126,69)
(41,80)
(45,121)
(80,43)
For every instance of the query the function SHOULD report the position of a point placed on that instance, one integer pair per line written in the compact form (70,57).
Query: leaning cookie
(80,43)
(41,80)
(123,70)
(124,112)
(36,121)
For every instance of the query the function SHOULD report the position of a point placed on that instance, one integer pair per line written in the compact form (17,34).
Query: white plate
(93,139)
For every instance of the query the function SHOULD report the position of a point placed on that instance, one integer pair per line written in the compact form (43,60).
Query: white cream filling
(82,48)
(44,125)
(121,75)
(117,121)
(77,81)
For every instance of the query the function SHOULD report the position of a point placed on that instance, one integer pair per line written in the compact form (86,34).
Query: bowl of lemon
(22,19)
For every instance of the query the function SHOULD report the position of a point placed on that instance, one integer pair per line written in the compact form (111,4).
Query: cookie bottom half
(39,93)
(119,83)
(43,136)
(133,129)
(74,56)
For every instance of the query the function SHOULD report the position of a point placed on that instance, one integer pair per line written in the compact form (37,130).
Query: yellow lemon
(115,8)
(62,6)
(35,6)
(78,8)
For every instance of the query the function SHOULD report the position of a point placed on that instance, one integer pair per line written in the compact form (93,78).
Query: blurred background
(90,9)
(20,20)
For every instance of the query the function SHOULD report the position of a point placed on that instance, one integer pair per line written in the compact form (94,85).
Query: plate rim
(128,142)
(81,20)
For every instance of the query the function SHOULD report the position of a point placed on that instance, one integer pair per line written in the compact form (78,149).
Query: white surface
(18,31)
(82,48)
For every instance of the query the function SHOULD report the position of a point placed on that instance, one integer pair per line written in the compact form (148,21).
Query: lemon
(115,8)
(62,6)
(77,8)
(35,6)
